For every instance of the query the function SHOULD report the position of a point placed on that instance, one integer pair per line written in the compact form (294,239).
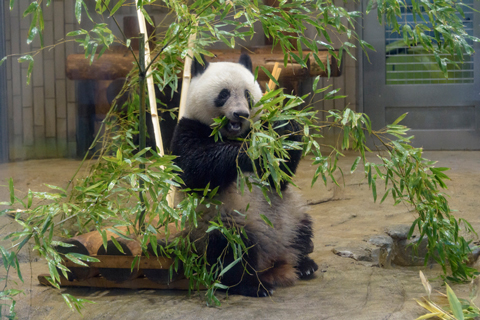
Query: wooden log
(111,66)
(113,272)
(76,271)
(99,282)
(87,244)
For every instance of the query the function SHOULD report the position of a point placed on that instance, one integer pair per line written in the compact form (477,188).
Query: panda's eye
(249,98)
(222,97)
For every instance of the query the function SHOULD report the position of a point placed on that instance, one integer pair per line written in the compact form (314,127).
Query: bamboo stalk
(150,86)
(276,74)
(187,76)
(152,99)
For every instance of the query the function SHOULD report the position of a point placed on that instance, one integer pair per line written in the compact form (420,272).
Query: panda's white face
(223,89)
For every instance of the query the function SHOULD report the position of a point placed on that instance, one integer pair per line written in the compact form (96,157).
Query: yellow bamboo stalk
(187,76)
(152,99)
(150,86)
(276,74)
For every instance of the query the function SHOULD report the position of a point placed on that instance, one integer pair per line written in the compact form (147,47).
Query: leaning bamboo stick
(150,86)
(151,96)
(187,76)
(276,74)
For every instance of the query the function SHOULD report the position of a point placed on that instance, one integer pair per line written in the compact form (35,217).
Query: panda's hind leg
(242,278)
(302,242)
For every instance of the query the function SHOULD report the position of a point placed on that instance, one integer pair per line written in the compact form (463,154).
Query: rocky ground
(356,241)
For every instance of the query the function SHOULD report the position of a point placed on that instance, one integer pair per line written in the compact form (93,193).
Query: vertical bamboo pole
(151,95)
(142,126)
(151,88)
(187,76)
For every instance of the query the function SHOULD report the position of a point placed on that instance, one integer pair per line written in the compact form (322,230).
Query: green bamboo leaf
(115,242)
(267,221)
(83,257)
(270,75)
(3,60)
(31,34)
(78,10)
(12,191)
(75,260)
(231,265)
(66,297)
(31,8)
(116,7)
(400,118)
(119,234)
(454,303)
(355,164)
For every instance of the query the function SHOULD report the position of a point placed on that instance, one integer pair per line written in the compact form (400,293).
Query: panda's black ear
(197,67)
(246,61)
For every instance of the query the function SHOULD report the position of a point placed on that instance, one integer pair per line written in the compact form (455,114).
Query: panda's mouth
(234,126)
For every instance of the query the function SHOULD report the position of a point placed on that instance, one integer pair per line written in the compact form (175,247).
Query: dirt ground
(343,288)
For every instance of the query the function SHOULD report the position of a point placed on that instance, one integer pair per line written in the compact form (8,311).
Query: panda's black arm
(203,160)
(292,128)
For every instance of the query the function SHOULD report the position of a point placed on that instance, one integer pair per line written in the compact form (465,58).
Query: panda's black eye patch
(249,98)
(222,97)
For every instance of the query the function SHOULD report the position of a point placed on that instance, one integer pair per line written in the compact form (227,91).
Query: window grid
(412,65)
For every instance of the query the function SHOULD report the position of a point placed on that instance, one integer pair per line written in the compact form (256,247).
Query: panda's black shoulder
(188,132)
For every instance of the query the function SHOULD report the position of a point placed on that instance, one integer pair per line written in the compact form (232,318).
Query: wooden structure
(115,268)
(111,66)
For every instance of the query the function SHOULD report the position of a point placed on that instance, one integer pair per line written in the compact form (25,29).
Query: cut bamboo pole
(187,76)
(150,86)
(152,99)
(276,74)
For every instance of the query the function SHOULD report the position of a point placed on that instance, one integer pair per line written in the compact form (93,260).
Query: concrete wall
(42,116)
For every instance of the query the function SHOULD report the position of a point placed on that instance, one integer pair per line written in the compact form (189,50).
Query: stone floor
(346,218)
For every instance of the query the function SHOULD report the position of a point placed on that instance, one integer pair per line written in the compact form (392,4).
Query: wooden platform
(100,282)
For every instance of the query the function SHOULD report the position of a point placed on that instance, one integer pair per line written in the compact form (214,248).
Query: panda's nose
(241,115)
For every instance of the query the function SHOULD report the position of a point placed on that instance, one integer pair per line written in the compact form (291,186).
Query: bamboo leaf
(454,303)
(267,221)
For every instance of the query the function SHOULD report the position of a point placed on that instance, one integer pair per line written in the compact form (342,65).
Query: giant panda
(276,256)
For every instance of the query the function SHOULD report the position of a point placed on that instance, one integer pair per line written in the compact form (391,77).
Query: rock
(399,231)
(406,255)
(383,253)
(473,256)
(359,254)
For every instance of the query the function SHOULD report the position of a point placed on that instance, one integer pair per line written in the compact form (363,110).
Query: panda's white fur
(279,255)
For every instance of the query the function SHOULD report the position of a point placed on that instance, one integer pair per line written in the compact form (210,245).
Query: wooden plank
(125,262)
(138,283)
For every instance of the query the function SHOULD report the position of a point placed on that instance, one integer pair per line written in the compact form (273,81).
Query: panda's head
(223,89)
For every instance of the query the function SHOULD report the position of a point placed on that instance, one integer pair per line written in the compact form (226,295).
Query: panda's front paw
(306,268)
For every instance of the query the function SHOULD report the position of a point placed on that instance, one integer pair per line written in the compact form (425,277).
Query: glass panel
(414,65)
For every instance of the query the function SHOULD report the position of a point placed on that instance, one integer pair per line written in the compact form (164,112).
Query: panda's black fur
(276,256)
